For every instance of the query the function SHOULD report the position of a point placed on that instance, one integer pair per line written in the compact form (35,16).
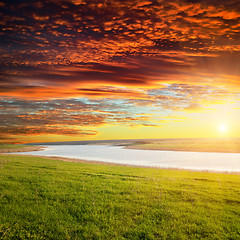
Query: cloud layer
(92,63)
(84,116)
(48,45)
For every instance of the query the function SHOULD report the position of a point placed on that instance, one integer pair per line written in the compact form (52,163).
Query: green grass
(49,199)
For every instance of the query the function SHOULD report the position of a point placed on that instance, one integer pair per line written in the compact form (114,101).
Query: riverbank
(12,148)
(218,145)
(51,199)
(75,160)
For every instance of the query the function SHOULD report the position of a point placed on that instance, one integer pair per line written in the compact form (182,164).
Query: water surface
(220,162)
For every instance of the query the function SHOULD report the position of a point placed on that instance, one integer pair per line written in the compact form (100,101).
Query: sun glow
(222,128)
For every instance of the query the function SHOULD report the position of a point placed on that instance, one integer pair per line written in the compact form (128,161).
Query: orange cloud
(145,55)
(44,130)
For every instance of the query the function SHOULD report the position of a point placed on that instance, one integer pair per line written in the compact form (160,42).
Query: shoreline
(182,150)
(65,159)
(24,149)
(208,145)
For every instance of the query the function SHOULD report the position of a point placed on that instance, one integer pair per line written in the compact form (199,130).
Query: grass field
(50,199)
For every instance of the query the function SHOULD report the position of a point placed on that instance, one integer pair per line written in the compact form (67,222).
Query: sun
(222,128)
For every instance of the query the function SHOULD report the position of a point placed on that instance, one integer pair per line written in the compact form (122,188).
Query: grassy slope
(48,199)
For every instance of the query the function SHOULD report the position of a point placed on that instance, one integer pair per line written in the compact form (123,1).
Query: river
(200,161)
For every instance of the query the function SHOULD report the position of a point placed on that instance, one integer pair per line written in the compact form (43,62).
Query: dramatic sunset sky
(118,69)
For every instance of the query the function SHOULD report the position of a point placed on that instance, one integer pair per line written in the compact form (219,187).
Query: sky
(75,70)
